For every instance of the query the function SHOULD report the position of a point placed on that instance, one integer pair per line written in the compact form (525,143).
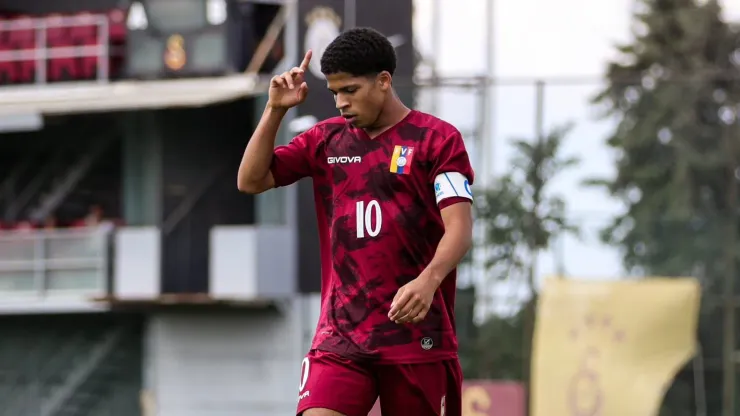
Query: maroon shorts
(331,382)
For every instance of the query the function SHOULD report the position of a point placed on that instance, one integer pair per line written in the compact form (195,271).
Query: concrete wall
(228,363)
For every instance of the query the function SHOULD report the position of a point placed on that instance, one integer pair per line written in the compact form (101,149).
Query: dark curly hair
(359,52)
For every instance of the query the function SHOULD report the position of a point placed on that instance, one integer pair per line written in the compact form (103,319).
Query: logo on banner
(323,27)
(585,344)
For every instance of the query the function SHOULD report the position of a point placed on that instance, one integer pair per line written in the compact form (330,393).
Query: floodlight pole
(487,128)
(729,346)
(436,49)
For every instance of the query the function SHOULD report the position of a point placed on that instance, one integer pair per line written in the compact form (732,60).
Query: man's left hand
(412,301)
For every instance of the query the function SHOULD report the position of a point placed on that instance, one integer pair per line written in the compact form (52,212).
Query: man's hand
(289,88)
(413,300)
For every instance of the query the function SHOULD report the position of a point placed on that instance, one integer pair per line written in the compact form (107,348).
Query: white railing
(42,53)
(45,262)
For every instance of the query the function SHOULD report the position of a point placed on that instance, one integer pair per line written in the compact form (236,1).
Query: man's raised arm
(286,90)
(254,171)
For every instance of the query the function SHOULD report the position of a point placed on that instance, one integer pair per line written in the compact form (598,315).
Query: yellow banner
(611,348)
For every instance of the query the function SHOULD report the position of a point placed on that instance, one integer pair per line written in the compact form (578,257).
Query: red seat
(117,26)
(58,36)
(85,29)
(85,33)
(80,223)
(22,37)
(7,68)
(24,226)
(66,33)
(117,33)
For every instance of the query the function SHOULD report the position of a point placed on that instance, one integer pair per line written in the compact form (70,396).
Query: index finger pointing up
(306,60)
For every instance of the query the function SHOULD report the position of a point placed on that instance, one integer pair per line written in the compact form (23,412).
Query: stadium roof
(87,97)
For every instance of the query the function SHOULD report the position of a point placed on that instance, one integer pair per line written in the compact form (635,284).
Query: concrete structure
(192,299)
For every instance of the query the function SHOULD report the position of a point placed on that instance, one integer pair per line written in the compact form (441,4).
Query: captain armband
(451,185)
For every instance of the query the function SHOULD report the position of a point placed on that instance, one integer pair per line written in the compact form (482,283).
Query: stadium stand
(61,172)
(80,46)
(120,225)
(78,364)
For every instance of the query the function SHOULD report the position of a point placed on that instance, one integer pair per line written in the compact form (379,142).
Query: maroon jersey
(378,205)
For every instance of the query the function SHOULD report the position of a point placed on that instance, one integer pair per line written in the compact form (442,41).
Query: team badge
(175,56)
(401,160)
(324,25)
(427,343)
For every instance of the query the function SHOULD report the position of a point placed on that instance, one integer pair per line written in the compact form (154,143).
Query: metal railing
(42,53)
(39,263)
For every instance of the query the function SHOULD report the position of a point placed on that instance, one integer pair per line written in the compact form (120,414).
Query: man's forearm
(452,248)
(255,164)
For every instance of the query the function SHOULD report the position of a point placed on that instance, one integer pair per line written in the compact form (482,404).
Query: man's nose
(342,103)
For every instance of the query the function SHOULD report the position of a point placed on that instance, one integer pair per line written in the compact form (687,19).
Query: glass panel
(64,260)
(17,281)
(74,246)
(209,52)
(75,280)
(17,247)
(174,15)
(147,57)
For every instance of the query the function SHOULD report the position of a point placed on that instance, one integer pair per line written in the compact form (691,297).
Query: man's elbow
(247,188)
(254,187)
(250,187)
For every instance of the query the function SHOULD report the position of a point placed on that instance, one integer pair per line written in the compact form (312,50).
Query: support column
(271,205)
(142,169)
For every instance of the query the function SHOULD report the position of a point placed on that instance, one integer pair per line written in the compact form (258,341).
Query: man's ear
(385,81)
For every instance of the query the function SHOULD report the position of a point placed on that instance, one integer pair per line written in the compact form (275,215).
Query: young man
(393,200)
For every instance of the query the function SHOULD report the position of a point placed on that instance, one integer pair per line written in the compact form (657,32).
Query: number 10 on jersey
(369,218)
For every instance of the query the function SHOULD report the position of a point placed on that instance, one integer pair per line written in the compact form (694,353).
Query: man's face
(359,99)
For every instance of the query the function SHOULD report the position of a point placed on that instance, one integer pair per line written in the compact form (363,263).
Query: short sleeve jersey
(378,203)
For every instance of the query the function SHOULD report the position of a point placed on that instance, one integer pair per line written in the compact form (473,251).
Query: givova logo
(332,160)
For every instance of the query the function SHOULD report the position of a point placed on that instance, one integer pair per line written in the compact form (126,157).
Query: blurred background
(136,280)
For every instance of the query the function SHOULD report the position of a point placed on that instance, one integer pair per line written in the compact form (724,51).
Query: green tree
(674,93)
(521,219)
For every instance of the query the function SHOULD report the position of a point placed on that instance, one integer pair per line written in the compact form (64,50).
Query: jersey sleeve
(294,160)
(451,173)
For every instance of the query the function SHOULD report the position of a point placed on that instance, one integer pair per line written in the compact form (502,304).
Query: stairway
(107,382)
(49,201)
(31,182)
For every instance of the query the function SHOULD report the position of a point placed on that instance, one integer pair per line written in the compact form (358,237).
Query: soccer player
(393,199)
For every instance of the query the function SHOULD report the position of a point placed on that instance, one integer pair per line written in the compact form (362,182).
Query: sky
(555,42)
